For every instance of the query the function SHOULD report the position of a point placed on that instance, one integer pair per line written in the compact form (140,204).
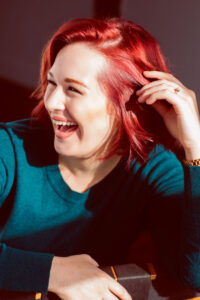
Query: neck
(81,174)
(87,166)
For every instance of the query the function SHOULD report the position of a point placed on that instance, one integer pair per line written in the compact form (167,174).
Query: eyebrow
(71,80)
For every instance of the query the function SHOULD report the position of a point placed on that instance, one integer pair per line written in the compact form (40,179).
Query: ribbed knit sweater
(40,216)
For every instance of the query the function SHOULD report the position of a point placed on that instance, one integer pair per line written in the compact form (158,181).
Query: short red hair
(129,51)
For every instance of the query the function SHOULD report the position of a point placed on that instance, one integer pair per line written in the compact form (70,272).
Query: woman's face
(76,105)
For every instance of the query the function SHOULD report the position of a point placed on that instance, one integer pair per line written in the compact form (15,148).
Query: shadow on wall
(15,101)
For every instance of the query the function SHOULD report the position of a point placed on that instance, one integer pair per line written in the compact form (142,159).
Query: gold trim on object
(38,296)
(114,273)
(196,298)
(152,271)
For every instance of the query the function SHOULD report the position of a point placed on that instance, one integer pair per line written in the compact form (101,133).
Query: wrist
(53,278)
(192,153)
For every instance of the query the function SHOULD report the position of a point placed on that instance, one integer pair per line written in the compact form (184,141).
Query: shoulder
(27,136)
(21,126)
(16,132)
(160,158)
(163,170)
(164,165)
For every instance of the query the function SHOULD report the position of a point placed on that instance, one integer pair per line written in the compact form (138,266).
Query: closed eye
(51,82)
(72,89)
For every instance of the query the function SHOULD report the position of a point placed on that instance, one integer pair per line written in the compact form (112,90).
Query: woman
(92,169)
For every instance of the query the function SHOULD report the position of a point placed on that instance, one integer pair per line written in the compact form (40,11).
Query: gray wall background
(25,27)
(176,25)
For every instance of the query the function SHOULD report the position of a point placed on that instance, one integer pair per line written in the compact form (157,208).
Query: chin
(67,151)
(62,149)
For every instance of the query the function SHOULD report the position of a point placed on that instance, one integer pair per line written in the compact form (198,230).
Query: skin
(87,106)
(78,277)
(182,116)
(78,161)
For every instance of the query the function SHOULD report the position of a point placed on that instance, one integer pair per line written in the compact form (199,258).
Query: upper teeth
(63,123)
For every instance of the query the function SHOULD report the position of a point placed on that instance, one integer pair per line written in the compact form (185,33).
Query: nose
(56,100)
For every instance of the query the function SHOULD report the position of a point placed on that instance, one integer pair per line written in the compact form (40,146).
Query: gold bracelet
(193,162)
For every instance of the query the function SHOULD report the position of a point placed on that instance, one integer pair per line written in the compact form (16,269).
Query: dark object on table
(146,282)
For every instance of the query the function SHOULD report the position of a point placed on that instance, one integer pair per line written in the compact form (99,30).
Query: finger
(118,290)
(151,95)
(156,87)
(171,81)
(162,75)
(162,83)
(166,95)
(110,296)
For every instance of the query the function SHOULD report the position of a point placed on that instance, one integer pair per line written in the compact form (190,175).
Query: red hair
(129,51)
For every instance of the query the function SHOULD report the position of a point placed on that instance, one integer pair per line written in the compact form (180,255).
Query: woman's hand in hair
(78,277)
(178,107)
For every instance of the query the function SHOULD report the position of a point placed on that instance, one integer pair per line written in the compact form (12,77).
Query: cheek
(98,123)
(93,113)
(96,116)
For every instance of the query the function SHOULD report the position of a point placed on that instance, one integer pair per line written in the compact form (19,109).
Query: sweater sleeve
(190,234)
(7,165)
(174,216)
(24,270)
(19,270)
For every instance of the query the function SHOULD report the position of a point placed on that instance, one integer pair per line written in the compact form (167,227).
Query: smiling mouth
(64,126)
(64,129)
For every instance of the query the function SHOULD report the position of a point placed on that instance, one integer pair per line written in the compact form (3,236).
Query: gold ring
(176,90)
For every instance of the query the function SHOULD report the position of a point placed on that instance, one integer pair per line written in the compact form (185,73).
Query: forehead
(78,61)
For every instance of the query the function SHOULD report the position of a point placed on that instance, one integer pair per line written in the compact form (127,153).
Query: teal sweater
(40,216)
